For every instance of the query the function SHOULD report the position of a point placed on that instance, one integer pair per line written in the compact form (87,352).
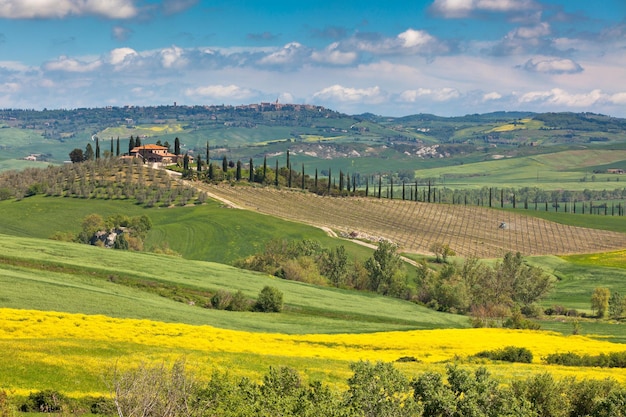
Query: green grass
(552,171)
(75,285)
(207,232)
(601,222)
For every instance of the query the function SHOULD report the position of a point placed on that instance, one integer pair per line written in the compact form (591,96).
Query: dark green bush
(508,354)
(270,300)
(46,401)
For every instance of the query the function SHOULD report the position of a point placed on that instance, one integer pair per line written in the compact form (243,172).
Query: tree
(270,300)
(441,251)
(77,155)
(617,305)
(97,148)
(211,173)
(384,269)
(224,164)
(251,174)
(199,164)
(600,301)
(117,149)
(186,162)
(137,142)
(335,265)
(264,168)
(380,390)
(238,171)
(276,175)
(207,156)
(112,150)
(131,144)
(176,146)
(89,152)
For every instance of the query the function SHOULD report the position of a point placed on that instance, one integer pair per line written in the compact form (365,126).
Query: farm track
(414,226)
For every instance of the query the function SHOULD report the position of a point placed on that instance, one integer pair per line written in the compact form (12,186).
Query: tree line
(372,390)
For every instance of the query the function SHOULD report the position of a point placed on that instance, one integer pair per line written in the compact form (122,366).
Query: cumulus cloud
(492,96)
(51,9)
(553,66)
(66,64)
(121,57)
(410,41)
(220,91)
(442,94)
(333,55)
(465,8)
(347,94)
(173,57)
(560,97)
(292,53)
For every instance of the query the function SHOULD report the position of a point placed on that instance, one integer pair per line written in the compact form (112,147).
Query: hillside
(57,276)
(317,137)
(415,226)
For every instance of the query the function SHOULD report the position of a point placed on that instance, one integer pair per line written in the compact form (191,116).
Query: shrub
(239,302)
(270,300)
(508,354)
(221,300)
(47,401)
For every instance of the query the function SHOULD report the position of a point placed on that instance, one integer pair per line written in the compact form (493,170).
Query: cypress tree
(391,182)
(288,162)
(88,152)
(207,152)
(199,164)
(117,150)
(186,162)
(289,175)
(380,185)
(329,180)
(111,148)
(276,175)
(131,144)
(367,186)
(315,179)
(176,146)
(251,177)
(238,172)
(340,181)
(211,174)
(264,168)
(137,142)
(224,164)
(303,176)
(403,191)
(97,148)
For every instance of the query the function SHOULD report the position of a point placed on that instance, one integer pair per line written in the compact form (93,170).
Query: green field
(58,276)
(207,232)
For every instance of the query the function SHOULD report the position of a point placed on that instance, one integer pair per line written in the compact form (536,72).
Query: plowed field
(414,226)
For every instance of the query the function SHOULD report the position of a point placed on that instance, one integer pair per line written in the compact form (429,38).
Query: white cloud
(618,98)
(173,57)
(464,8)
(121,56)
(531,32)
(560,97)
(286,55)
(492,96)
(220,92)
(50,9)
(442,94)
(348,94)
(553,66)
(65,64)
(410,41)
(7,88)
(332,55)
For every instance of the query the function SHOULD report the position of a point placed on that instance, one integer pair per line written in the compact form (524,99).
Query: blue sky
(447,57)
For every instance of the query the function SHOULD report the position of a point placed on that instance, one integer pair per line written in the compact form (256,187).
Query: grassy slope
(310,309)
(208,232)
(549,171)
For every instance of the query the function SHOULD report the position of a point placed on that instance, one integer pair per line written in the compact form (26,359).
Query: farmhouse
(156,154)
(615,171)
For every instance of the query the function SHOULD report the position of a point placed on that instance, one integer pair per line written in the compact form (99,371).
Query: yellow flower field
(82,344)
